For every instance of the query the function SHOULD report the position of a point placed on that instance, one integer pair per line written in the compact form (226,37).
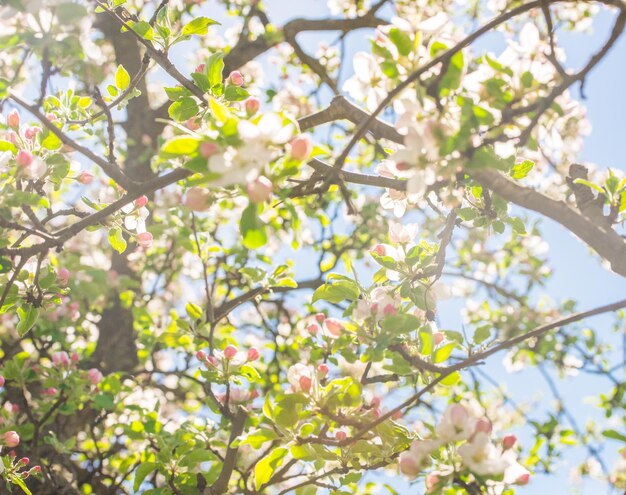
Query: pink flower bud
(509,441)
(15,408)
(334,327)
(305,383)
(236,78)
(63,276)
(523,479)
(200,68)
(254,394)
(431,482)
(397,415)
(11,137)
(49,391)
(389,310)
(51,117)
(253,354)
(192,124)
(409,465)
(31,132)
(208,148)
(320,317)
(24,158)
(13,119)
(379,249)
(74,357)
(341,435)
(144,239)
(230,351)
(212,360)
(11,439)
(260,189)
(484,426)
(95,376)
(61,359)
(375,402)
(2,381)
(200,355)
(252,106)
(197,199)
(438,338)
(313,328)
(322,370)
(458,415)
(24,461)
(85,177)
(36,469)
(141,201)
(301,148)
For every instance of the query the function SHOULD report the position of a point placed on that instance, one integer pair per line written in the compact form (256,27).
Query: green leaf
(28,317)
(144,469)
(104,401)
(219,111)
(116,239)
(614,435)
(5,265)
(183,109)
(265,468)
(51,142)
(143,29)
(199,26)
(482,333)
(337,292)
(257,438)
(122,79)
(252,228)
(400,323)
(402,41)
(443,352)
(180,145)
(194,312)
(589,184)
(214,68)
(521,170)
(235,93)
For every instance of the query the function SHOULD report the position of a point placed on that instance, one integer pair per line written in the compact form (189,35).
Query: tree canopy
(225,243)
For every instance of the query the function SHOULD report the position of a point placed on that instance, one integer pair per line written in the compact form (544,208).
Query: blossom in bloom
(379,303)
(322,370)
(456,424)
(197,199)
(482,457)
(95,376)
(300,377)
(301,148)
(402,234)
(365,85)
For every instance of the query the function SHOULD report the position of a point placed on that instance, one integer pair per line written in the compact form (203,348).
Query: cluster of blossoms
(24,145)
(10,466)
(260,139)
(329,327)
(136,214)
(225,365)
(477,453)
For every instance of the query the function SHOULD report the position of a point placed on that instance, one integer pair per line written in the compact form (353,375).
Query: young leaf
(122,79)
(198,26)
